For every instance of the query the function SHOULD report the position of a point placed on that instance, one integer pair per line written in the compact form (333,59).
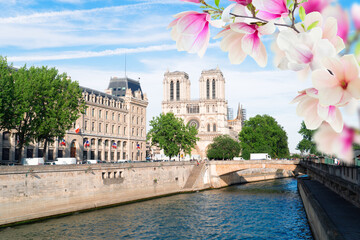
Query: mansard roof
(119,86)
(102,94)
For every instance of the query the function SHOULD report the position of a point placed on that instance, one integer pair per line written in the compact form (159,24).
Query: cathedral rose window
(194,123)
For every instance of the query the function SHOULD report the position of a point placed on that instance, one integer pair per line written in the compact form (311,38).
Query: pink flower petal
(267,29)
(322,78)
(351,67)
(355,13)
(251,44)
(354,88)
(308,109)
(335,66)
(243,28)
(192,23)
(333,116)
(260,56)
(201,42)
(330,96)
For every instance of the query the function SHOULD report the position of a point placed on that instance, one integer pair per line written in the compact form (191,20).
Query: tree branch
(265,21)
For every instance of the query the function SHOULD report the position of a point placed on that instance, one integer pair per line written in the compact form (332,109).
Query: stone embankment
(35,192)
(331,199)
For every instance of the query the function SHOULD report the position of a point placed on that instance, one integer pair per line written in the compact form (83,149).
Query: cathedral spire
(238,116)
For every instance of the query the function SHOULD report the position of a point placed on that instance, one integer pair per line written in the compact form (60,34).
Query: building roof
(119,86)
(102,94)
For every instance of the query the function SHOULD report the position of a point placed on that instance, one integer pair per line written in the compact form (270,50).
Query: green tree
(172,135)
(262,134)
(7,95)
(306,145)
(223,147)
(60,104)
(39,104)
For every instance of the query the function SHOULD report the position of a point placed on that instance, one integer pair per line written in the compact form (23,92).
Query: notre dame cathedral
(209,114)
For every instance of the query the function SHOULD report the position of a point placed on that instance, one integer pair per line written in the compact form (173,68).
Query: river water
(262,210)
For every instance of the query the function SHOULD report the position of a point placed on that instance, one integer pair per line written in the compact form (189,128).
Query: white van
(65,161)
(32,161)
(92,161)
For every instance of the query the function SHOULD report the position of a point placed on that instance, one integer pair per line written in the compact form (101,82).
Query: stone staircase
(194,175)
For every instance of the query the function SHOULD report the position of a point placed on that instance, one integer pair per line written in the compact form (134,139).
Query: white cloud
(45,16)
(89,54)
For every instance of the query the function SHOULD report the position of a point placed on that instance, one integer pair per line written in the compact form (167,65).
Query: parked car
(123,161)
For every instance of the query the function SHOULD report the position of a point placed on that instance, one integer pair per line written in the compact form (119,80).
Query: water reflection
(264,210)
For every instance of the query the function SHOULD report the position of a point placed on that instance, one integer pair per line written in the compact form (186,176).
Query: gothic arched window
(214,127)
(213,88)
(208,127)
(207,89)
(177,90)
(171,90)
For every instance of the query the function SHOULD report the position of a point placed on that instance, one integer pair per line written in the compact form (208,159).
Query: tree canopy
(306,145)
(172,135)
(262,134)
(223,147)
(38,103)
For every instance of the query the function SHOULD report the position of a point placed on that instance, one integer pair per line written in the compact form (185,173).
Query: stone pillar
(89,151)
(96,148)
(1,144)
(56,149)
(109,154)
(121,150)
(103,150)
(46,151)
(12,147)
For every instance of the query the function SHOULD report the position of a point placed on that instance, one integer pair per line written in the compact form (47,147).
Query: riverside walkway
(342,219)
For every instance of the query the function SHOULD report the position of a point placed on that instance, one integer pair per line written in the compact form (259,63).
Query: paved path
(342,213)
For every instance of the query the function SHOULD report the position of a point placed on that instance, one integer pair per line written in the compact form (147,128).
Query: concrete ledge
(321,225)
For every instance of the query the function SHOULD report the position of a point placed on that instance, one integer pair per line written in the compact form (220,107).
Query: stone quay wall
(343,180)
(35,192)
(32,192)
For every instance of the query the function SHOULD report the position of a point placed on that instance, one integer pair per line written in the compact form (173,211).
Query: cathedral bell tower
(176,86)
(212,85)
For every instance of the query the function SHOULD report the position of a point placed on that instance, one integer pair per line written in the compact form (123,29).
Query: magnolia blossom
(342,19)
(271,9)
(314,113)
(238,9)
(355,14)
(315,5)
(242,2)
(340,144)
(304,51)
(338,81)
(191,31)
(241,39)
(329,28)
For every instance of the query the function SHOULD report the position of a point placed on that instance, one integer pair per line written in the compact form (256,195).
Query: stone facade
(208,114)
(114,126)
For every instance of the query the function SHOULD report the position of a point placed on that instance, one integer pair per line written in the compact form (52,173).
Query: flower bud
(242,2)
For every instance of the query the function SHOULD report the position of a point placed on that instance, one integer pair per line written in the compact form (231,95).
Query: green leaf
(288,2)
(303,26)
(302,13)
(314,24)
(217,2)
(357,49)
(291,6)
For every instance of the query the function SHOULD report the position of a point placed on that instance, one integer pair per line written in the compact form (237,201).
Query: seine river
(263,210)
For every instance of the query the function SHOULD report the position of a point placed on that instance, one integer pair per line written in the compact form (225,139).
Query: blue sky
(88,39)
